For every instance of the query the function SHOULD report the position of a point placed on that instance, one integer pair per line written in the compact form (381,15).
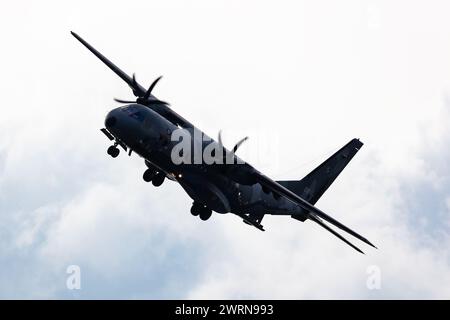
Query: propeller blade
(149,91)
(123,101)
(240,142)
(134,82)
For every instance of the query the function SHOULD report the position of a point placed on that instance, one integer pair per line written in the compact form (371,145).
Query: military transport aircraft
(146,127)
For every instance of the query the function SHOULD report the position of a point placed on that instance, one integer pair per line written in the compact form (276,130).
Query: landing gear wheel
(195,210)
(149,174)
(158,179)
(205,213)
(113,151)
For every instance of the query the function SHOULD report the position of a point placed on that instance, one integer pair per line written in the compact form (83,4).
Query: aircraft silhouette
(228,184)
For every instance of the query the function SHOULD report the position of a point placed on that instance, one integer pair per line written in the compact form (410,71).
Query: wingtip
(358,249)
(370,244)
(76,36)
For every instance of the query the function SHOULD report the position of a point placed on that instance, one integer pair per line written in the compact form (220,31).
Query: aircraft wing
(138,90)
(314,214)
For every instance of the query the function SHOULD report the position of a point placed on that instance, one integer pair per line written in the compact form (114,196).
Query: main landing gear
(200,210)
(113,151)
(156,177)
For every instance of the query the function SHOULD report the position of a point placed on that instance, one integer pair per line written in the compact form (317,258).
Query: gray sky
(320,72)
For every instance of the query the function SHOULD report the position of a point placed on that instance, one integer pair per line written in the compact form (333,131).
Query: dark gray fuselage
(149,135)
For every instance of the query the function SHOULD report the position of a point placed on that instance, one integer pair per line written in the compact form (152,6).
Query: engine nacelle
(204,191)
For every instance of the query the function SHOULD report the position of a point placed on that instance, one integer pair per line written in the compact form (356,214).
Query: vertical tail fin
(314,185)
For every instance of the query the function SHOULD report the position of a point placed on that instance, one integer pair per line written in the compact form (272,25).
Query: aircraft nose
(110,121)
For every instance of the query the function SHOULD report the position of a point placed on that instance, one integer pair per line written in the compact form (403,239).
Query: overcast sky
(301,78)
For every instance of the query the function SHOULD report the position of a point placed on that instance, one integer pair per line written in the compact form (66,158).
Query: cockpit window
(138,115)
(134,112)
(129,109)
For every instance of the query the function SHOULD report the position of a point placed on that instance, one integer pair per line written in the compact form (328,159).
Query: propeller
(236,146)
(239,143)
(135,85)
(144,99)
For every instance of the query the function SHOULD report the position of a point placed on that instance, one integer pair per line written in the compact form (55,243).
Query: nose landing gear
(200,210)
(113,151)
